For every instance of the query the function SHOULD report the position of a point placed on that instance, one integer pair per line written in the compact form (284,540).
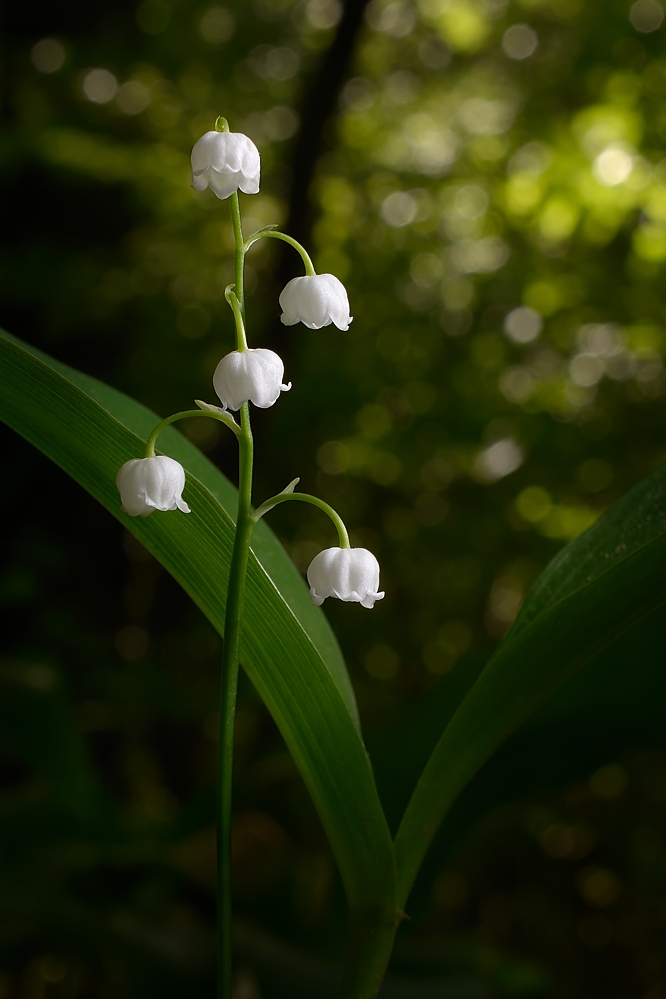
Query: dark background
(450,168)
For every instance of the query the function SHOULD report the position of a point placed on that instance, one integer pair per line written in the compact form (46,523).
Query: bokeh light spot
(485,117)
(280,123)
(520,41)
(333,457)
(100,86)
(322,14)
(461,22)
(48,56)
(586,369)
(608,783)
(52,968)
(506,596)
(399,209)
(500,459)
(479,256)
(517,384)
(395,19)
(579,840)
(426,270)
(274,62)
(533,504)
(470,202)
(613,165)
(217,25)
(523,325)
(598,886)
(646,15)
(133,97)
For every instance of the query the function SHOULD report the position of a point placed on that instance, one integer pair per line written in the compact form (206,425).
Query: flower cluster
(227,162)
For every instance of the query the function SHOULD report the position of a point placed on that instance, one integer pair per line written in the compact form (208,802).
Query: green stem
(233,623)
(314,501)
(241,338)
(265,233)
(372,933)
(234,207)
(187,414)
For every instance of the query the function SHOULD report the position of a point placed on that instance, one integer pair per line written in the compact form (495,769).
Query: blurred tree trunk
(321,95)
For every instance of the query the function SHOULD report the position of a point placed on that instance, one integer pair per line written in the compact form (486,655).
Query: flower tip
(317,601)
(370,599)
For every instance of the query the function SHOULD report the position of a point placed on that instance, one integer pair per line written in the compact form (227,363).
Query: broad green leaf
(597,589)
(288,649)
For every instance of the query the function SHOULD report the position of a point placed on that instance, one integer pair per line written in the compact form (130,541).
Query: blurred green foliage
(493,193)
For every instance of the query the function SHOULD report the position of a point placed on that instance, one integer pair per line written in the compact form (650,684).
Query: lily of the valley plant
(603,595)
(228,162)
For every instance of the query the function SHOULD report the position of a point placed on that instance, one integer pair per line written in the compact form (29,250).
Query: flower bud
(350,574)
(253,375)
(147,484)
(225,162)
(316,300)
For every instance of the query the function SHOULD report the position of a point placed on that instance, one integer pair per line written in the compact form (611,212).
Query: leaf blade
(288,649)
(595,590)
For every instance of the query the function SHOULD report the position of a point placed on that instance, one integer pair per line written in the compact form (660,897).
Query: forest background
(488,178)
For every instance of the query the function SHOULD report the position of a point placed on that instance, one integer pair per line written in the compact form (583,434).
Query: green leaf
(288,648)
(608,581)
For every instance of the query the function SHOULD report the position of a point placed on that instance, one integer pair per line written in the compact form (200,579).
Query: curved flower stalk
(350,574)
(156,482)
(316,300)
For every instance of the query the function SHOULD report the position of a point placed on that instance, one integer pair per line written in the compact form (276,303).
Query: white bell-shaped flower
(350,574)
(253,375)
(316,300)
(147,484)
(225,162)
